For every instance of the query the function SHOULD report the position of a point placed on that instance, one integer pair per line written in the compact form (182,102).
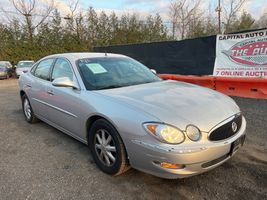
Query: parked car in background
(7,64)
(23,67)
(5,69)
(128,116)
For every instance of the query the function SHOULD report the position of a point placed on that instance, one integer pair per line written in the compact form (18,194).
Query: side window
(62,68)
(33,68)
(42,70)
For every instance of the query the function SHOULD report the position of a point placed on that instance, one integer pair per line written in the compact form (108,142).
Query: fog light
(171,166)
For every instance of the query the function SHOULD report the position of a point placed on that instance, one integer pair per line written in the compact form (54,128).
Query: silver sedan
(23,66)
(128,116)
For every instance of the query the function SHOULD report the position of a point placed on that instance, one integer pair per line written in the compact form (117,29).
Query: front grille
(214,162)
(225,131)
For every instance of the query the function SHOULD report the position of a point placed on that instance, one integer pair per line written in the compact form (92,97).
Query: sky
(144,7)
(255,7)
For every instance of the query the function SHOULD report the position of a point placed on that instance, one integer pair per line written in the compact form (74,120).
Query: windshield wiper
(110,87)
(140,83)
(130,84)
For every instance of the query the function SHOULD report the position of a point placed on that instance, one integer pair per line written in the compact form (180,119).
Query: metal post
(219,16)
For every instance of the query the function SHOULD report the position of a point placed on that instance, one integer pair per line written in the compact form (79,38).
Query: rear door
(37,87)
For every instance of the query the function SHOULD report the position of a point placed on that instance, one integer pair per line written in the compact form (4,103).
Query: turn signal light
(171,166)
(152,128)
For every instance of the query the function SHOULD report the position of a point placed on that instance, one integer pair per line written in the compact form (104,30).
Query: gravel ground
(40,162)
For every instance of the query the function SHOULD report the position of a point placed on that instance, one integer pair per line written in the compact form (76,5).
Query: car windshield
(2,67)
(114,72)
(25,64)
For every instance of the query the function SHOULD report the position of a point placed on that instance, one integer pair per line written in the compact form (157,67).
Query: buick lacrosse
(128,116)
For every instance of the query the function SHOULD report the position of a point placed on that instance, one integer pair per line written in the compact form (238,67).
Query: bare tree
(76,21)
(231,8)
(73,7)
(34,14)
(262,21)
(181,13)
(174,16)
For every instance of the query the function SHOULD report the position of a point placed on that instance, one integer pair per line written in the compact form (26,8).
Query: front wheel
(27,110)
(107,148)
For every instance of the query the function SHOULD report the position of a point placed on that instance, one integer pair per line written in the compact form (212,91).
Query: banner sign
(242,55)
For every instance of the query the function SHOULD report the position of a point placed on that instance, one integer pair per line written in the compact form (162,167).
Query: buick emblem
(234,127)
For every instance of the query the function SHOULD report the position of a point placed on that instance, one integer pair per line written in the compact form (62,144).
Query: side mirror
(154,71)
(64,82)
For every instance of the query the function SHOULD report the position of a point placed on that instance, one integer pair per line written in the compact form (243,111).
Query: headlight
(193,133)
(165,133)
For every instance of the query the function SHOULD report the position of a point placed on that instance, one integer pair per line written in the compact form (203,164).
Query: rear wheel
(27,110)
(107,148)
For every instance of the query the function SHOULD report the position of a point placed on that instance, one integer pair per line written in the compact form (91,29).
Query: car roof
(77,56)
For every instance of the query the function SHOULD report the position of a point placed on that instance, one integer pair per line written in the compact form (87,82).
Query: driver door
(65,108)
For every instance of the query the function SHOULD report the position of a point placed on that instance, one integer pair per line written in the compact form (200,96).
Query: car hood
(177,103)
(21,69)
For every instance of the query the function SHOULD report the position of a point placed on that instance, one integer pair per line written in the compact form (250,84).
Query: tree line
(33,34)
(75,34)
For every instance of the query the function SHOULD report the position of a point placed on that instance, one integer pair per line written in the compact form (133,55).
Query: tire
(27,110)
(114,150)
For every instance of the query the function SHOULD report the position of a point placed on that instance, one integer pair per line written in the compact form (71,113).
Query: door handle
(28,85)
(50,92)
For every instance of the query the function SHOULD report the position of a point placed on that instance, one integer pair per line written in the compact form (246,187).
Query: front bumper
(196,159)
(19,73)
(3,75)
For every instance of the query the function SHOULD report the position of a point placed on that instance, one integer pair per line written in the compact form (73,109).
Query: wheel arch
(89,123)
(96,117)
(22,93)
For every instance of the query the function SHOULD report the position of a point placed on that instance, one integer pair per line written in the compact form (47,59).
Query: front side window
(43,68)
(62,68)
(114,72)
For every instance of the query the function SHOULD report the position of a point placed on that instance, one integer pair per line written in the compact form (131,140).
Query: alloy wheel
(27,109)
(105,147)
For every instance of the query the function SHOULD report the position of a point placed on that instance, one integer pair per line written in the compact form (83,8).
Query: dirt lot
(40,162)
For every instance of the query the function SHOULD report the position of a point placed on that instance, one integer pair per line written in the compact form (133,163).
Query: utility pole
(219,10)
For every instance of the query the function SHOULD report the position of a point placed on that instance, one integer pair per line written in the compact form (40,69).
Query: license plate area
(237,144)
